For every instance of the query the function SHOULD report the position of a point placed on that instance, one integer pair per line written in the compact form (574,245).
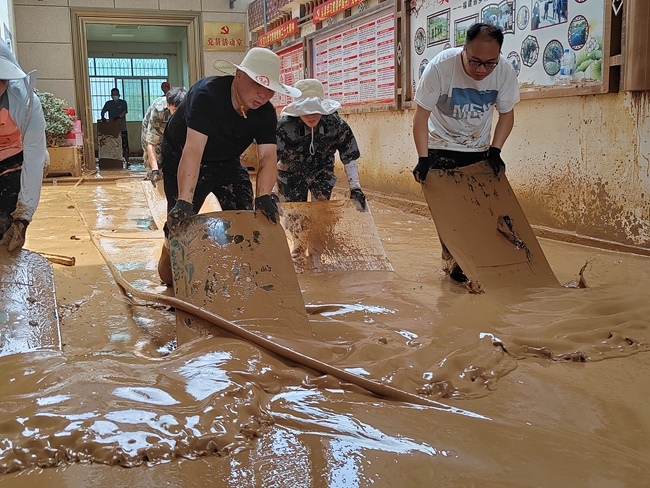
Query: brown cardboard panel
(237,264)
(109,137)
(158,203)
(28,315)
(332,236)
(469,206)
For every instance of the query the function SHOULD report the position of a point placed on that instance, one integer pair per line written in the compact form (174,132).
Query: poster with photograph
(537,35)
(460,29)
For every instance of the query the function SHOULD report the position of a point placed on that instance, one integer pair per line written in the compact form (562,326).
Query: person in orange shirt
(23,154)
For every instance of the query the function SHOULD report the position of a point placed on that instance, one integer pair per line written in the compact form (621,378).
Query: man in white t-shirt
(456,98)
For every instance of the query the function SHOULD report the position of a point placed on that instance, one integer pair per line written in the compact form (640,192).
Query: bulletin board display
(292,69)
(536,33)
(356,62)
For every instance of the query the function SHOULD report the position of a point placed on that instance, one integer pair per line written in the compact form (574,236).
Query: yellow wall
(577,164)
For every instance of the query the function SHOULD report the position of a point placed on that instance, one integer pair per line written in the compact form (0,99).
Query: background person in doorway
(165,87)
(117,110)
(23,154)
(211,129)
(153,127)
(455,101)
(309,134)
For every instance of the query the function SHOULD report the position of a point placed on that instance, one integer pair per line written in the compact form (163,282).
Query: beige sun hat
(263,66)
(311,101)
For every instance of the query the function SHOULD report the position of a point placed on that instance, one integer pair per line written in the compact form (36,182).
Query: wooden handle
(58,258)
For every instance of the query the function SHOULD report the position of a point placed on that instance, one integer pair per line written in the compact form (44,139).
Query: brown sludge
(534,402)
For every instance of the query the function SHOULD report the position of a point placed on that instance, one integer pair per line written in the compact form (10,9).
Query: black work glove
(14,238)
(268,205)
(422,168)
(155,176)
(357,195)
(182,210)
(494,158)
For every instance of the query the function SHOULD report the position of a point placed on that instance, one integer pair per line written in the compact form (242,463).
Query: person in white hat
(309,134)
(23,153)
(204,139)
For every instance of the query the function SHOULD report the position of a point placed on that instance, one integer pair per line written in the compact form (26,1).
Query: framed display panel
(292,69)
(536,34)
(356,61)
(636,43)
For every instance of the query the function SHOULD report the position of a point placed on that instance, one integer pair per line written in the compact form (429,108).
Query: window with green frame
(138,80)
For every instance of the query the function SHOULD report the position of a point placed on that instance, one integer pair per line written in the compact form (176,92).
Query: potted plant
(58,124)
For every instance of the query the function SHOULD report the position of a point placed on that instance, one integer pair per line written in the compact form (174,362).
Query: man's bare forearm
(503,129)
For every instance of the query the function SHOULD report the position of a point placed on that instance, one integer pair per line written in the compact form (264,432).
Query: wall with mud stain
(579,164)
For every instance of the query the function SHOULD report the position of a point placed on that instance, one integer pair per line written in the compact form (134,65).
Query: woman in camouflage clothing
(309,133)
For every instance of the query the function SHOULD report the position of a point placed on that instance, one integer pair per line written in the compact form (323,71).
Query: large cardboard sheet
(237,264)
(332,236)
(109,137)
(482,224)
(158,202)
(29,319)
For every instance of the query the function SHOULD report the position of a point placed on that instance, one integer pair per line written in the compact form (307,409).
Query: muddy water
(546,384)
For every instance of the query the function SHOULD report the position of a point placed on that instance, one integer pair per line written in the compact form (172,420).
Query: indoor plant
(58,124)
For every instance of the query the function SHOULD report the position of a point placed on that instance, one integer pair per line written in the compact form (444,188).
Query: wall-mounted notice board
(536,34)
(292,69)
(356,62)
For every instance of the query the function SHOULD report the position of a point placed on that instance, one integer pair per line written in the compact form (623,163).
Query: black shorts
(441,159)
(230,184)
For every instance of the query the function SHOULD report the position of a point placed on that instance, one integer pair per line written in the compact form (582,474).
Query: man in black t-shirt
(117,110)
(207,134)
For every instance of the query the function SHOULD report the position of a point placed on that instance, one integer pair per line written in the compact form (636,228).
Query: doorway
(134,51)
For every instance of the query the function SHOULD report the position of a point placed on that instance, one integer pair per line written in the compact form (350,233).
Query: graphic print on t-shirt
(471,103)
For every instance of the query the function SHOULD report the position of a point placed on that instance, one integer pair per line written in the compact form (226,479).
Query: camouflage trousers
(293,187)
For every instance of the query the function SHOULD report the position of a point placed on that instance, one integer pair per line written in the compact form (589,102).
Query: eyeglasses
(477,64)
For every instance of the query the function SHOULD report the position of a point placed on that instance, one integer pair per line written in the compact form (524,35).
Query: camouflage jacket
(331,134)
(154,122)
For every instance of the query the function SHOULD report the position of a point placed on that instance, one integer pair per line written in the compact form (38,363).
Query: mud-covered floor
(545,385)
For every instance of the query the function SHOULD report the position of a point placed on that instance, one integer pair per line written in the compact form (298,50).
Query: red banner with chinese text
(280,32)
(332,7)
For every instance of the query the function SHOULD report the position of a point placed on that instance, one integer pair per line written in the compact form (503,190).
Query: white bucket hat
(263,66)
(311,101)
(9,71)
